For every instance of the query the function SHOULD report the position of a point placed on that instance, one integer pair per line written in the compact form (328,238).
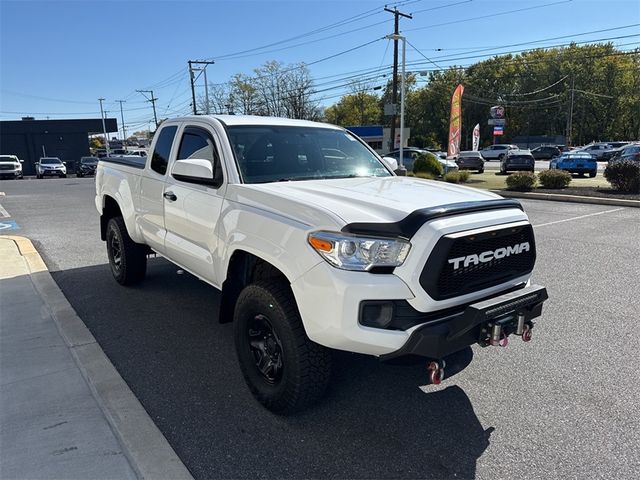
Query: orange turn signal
(321,245)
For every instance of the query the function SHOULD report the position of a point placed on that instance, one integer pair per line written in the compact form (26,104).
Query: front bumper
(10,174)
(441,337)
(52,173)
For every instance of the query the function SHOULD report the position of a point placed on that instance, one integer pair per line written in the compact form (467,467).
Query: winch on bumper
(487,322)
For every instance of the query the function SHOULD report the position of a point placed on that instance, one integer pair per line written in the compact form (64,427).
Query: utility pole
(396,32)
(193,81)
(124,132)
(570,123)
(193,90)
(153,102)
(104,128)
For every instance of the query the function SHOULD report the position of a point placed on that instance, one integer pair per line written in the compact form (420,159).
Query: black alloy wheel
(284,370)
(266,348)
(127,259)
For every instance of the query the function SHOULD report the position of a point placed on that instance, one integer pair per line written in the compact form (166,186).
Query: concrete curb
(558,197)
(146,448)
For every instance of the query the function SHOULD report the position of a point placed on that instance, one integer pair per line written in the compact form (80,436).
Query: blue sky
(58,57)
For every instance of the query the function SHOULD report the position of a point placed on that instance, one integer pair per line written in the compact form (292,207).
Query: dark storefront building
(66,139)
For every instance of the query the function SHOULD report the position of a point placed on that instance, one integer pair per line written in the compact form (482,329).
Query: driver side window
(197,143)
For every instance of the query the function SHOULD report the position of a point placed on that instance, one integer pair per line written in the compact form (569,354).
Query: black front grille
(7,167)
(457,267)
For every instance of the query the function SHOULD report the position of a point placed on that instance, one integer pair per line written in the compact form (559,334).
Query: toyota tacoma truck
(315,244)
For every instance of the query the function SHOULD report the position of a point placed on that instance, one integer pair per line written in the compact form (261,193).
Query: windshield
(7,158)
(50,161)
(275,153)
(89,161)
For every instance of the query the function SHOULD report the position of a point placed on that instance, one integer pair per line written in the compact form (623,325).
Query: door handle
(170,196)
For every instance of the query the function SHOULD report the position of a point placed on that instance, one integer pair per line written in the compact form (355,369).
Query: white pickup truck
(316,245)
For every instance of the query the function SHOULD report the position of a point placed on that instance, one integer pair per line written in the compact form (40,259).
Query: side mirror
(21,161)
(64,163)
(194,170)
(391,163)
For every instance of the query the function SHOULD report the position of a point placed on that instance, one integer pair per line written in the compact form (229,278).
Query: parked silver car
(50,167)
(497,151)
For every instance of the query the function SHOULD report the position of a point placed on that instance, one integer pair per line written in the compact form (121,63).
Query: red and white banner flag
(476,138)
(455,123)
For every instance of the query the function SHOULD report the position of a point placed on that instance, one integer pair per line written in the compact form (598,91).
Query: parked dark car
(575,162)
(631,152)
(518,160)
(545,152)
(470,160)
(87,166)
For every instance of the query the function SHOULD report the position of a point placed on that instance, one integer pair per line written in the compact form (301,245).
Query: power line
(492,15)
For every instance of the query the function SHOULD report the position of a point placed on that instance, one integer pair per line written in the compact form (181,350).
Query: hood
(349,200)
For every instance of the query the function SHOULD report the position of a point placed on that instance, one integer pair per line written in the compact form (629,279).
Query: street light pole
(104,128)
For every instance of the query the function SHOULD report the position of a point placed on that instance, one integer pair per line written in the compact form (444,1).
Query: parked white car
(10,166)
(51,167)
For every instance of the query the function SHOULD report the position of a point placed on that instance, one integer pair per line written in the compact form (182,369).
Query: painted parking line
(3,212)
(8,225)
(578,218)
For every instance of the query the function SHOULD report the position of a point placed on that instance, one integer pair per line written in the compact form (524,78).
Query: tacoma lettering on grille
(460,265)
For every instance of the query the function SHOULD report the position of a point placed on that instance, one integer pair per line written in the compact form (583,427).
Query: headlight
(351,252)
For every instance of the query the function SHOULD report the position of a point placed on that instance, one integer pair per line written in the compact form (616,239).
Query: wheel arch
(110,209)
(243,269)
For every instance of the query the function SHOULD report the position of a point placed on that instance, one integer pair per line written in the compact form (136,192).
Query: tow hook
(436,371)
(526,334)
(524,329)
(499,337)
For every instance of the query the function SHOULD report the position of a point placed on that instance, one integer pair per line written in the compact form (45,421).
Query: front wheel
(127,259)
(283,368)
(592,174)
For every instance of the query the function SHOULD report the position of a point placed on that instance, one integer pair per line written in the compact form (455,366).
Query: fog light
(377,314)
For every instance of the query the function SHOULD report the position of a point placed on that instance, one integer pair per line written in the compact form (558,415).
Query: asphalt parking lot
(564,405)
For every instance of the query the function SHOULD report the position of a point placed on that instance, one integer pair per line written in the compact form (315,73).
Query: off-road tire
(305,367)
(128,261)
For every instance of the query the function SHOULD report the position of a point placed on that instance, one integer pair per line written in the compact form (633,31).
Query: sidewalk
(64,410)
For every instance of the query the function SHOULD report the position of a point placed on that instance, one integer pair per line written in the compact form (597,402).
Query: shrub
(521,181)
(426,176)
(554,178)
(457,176)
(427,163)
(624,176)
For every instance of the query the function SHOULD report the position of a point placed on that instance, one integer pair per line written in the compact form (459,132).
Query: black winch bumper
(510,312)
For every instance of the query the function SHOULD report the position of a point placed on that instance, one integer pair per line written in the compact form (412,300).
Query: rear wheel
(283,368)
(592,174)
(127,259)
(481,170)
